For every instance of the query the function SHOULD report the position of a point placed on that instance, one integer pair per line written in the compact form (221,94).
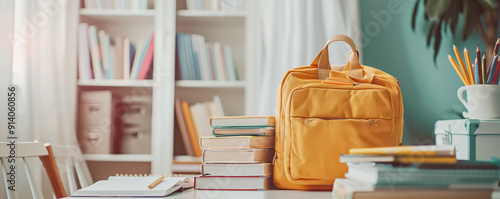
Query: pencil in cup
(462,65)
(455,66)
(493,70)
(472,79)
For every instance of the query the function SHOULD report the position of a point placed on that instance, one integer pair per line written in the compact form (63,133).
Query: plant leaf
(436,8)
(430,33)
(437,40)
(489,4)
(471,17)
(414,15)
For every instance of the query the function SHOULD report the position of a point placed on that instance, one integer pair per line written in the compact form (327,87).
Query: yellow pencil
(156,182)
(462,66)
(455,66)
(469,67)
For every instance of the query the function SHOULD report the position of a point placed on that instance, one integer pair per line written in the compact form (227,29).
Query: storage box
(474,139)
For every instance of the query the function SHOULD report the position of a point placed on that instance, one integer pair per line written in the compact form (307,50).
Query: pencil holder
(482,102)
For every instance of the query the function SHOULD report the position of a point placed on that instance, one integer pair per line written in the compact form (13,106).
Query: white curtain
(43,41)
(293,32)
(38,56)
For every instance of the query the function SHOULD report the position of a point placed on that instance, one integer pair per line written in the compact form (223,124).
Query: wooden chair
(23,151)
(70,161)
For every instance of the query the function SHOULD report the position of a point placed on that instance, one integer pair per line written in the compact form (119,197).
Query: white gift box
(474,139)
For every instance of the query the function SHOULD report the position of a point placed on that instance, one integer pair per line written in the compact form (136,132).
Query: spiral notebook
(135,186)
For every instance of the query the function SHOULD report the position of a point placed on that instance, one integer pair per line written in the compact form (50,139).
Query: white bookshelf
(210,14)
(228,28)
(166,19)
(117,83)
(209,84)
(139,25)
(119,157)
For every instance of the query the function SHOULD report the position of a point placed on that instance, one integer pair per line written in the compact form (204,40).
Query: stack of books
(414,172)
(101,56)
(239,156)
(200,60)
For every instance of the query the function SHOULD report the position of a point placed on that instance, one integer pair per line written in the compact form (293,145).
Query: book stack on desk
(239,155)
(414,172)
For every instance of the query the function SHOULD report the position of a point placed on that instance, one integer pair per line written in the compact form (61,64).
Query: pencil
(156,182)
(476,74)
(469,67)
(483,71)
(462,66)
(493,70)
(495,50)
(479,67)
(495,78)
(455,66)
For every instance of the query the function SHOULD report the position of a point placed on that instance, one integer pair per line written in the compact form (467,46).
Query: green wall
(429,88)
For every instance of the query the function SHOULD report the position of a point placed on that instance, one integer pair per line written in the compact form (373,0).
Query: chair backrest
(70,161)
(11,152)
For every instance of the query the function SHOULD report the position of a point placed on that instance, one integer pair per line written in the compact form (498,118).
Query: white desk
(271,194)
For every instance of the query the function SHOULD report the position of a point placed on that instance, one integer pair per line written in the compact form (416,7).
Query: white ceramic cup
(483,101)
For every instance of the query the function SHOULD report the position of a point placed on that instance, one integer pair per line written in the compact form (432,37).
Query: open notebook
(135,186)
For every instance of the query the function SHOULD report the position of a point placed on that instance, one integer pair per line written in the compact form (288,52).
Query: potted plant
(444,13)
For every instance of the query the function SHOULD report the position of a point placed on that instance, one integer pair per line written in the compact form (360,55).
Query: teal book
(109,71)
(230,67)
(188,57)
(182,63)
(213,72)
(193,59)
(463,172)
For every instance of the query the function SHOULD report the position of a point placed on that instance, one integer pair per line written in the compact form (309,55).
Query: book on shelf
(216,5)
(237,142)
(228,169)
(146,65)
(116,4)
(350,189)
(252,155)
(201,60)
(95,53)
(191,128)
(84,67)
(116,186)
(189,142)
(235,183)
(242,121)
(113,57)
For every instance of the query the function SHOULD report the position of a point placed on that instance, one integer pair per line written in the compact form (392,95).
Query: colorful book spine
(84,68)
(148,60)
(95,53)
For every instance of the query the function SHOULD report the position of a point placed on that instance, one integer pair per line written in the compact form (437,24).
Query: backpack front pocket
(316,144)
(319,129)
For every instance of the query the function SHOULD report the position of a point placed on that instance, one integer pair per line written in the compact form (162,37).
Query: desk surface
(271,194)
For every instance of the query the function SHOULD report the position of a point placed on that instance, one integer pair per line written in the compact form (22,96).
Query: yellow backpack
(322,113)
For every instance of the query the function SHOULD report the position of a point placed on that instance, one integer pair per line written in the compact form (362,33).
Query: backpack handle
(322,59)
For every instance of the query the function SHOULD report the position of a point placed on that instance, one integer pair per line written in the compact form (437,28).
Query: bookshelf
(165,18)
(137,25)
